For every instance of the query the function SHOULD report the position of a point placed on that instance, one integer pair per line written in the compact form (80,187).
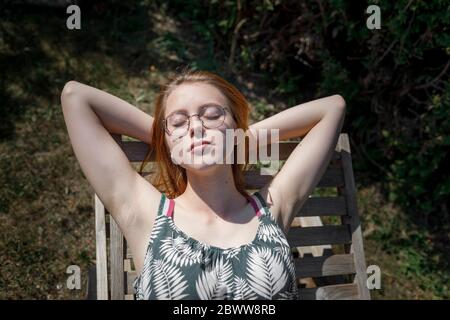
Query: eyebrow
(198,108)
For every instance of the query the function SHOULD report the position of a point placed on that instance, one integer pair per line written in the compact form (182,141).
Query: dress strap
(260,199)
(161,204)
(165,205)
(254,205)
(171,205)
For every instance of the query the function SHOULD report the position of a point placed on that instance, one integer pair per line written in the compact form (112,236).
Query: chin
(199,167)
(201,162)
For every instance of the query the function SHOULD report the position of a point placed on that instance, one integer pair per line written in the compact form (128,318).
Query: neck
(212,192)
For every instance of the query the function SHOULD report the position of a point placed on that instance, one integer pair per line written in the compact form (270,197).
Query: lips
(199,143)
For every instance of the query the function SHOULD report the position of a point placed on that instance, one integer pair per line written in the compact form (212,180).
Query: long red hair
(171,178)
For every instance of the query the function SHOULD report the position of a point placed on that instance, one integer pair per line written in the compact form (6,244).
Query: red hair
(170,177)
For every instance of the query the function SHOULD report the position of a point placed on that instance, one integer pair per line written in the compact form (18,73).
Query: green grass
(411,268)
(46,204)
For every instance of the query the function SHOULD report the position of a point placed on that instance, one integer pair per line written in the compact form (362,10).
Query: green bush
(394,79)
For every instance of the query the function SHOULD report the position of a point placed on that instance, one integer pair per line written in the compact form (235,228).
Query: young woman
(197,233)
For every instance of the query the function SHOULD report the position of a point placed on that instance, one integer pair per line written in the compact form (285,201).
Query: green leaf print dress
(177,266)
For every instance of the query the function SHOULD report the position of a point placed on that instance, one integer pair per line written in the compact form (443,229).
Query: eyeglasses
(178,123)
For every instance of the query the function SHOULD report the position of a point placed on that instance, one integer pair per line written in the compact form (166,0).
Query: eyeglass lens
(211,116)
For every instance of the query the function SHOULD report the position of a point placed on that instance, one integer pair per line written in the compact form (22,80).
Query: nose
(196,126)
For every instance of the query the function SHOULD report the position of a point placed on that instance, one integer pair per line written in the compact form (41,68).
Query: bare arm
(116,115)
(320,122)
(91,115)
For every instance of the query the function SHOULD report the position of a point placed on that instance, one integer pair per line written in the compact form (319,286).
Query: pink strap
(255,206)
(171,205)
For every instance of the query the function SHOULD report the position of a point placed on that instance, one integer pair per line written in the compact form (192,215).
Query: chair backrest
(329,259)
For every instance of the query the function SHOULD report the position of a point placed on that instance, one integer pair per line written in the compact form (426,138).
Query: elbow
(69,90)
(340,101)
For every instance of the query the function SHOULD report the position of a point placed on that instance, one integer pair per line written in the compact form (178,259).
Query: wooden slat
(348,291)
(137,150)
(100,250)
(357,239)
(332,178)
(127,265)
(116,261)
(130,276)
(337,264)
(108,232)
(315,251)
(285,148)
(128,254)
(323,206)
(311,236)
(307,294)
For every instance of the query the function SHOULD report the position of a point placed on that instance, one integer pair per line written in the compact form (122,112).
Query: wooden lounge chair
(329,259)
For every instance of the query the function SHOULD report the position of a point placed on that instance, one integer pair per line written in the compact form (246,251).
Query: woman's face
(190,99)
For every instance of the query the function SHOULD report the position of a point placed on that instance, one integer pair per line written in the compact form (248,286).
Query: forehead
(191,96)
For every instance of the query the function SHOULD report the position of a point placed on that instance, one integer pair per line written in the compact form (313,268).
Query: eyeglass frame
(225,110)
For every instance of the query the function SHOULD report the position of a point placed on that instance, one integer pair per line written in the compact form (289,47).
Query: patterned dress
(177,266)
